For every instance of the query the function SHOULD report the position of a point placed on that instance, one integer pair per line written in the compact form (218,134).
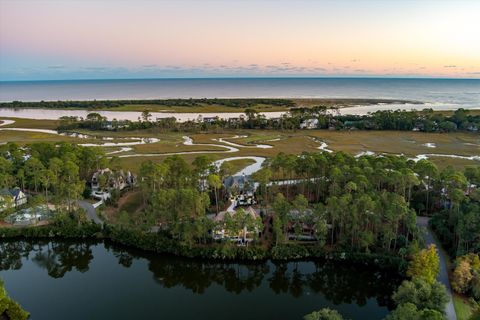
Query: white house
(309,124)
(12,198)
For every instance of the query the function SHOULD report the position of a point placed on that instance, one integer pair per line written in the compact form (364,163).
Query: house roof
(221,215)
(15,192)
(231,181)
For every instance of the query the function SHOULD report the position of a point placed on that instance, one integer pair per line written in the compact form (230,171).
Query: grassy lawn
(203,107)
(168,146)
(23,137)
(200,108)
(32,123)
(463,308)
(131,202)
(238,165)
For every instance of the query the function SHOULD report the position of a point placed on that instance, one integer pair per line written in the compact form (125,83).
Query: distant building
(209,119)
(309,124)
(472,128)
(234,120)
(12,198)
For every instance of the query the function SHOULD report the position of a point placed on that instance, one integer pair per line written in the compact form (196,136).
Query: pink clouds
(314,37)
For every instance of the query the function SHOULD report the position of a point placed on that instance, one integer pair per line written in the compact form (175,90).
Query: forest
(424,121)
(362,204)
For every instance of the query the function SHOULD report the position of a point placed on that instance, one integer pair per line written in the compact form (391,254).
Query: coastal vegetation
(317,117)
(365,204)
(10,309)
(198,105)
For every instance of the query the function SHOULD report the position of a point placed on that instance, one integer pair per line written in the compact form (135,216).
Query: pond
(88,280)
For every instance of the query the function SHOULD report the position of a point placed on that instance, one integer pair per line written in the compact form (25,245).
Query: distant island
(204,105)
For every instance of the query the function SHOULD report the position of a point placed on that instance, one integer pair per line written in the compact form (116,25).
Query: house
(114,180)
(12,198)
(276,120)
(245,199)
(241,189)
(309,124)
(472,128)
(241,235)
(301,225)
(239,184)
(209,119)
(235,120)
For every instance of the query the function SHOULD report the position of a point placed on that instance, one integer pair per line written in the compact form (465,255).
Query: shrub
(10,308)
(324,314)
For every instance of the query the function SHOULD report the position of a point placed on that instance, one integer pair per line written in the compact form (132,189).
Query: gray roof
(239,181)
(10,192)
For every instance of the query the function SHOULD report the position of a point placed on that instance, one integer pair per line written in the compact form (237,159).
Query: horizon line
(246,77)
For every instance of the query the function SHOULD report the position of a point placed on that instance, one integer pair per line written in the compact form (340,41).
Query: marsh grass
(291,142)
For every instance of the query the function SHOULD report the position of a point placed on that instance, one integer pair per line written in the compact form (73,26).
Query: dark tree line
(106,104)
(425,121)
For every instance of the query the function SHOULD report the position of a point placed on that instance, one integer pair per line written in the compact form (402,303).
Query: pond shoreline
(134,284)
(160,244)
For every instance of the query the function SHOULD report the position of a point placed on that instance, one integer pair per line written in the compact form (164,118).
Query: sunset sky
(73,39)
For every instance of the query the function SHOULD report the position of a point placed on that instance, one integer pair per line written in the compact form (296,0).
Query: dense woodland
(49,172)
(425,121)
(366,204)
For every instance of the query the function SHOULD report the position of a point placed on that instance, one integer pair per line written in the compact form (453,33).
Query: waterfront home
(12,198)
(301,225)
(241,226)
(309,124)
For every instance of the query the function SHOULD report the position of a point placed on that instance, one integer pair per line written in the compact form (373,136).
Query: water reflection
(12,253)
(60,258)
(338,283)
(57,258)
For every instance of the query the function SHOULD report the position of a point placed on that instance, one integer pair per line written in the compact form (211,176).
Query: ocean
(437,93)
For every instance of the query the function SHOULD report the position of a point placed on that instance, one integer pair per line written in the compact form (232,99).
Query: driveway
(90,210)
(443,274)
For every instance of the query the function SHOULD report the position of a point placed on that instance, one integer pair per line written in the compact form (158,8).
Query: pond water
(85,280)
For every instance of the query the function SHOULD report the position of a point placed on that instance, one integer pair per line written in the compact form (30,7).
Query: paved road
(90,210)
(443,275)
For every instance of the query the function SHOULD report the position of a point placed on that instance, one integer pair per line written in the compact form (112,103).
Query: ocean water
(437,93)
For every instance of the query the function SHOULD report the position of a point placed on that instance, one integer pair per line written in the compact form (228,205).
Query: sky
(108,39)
